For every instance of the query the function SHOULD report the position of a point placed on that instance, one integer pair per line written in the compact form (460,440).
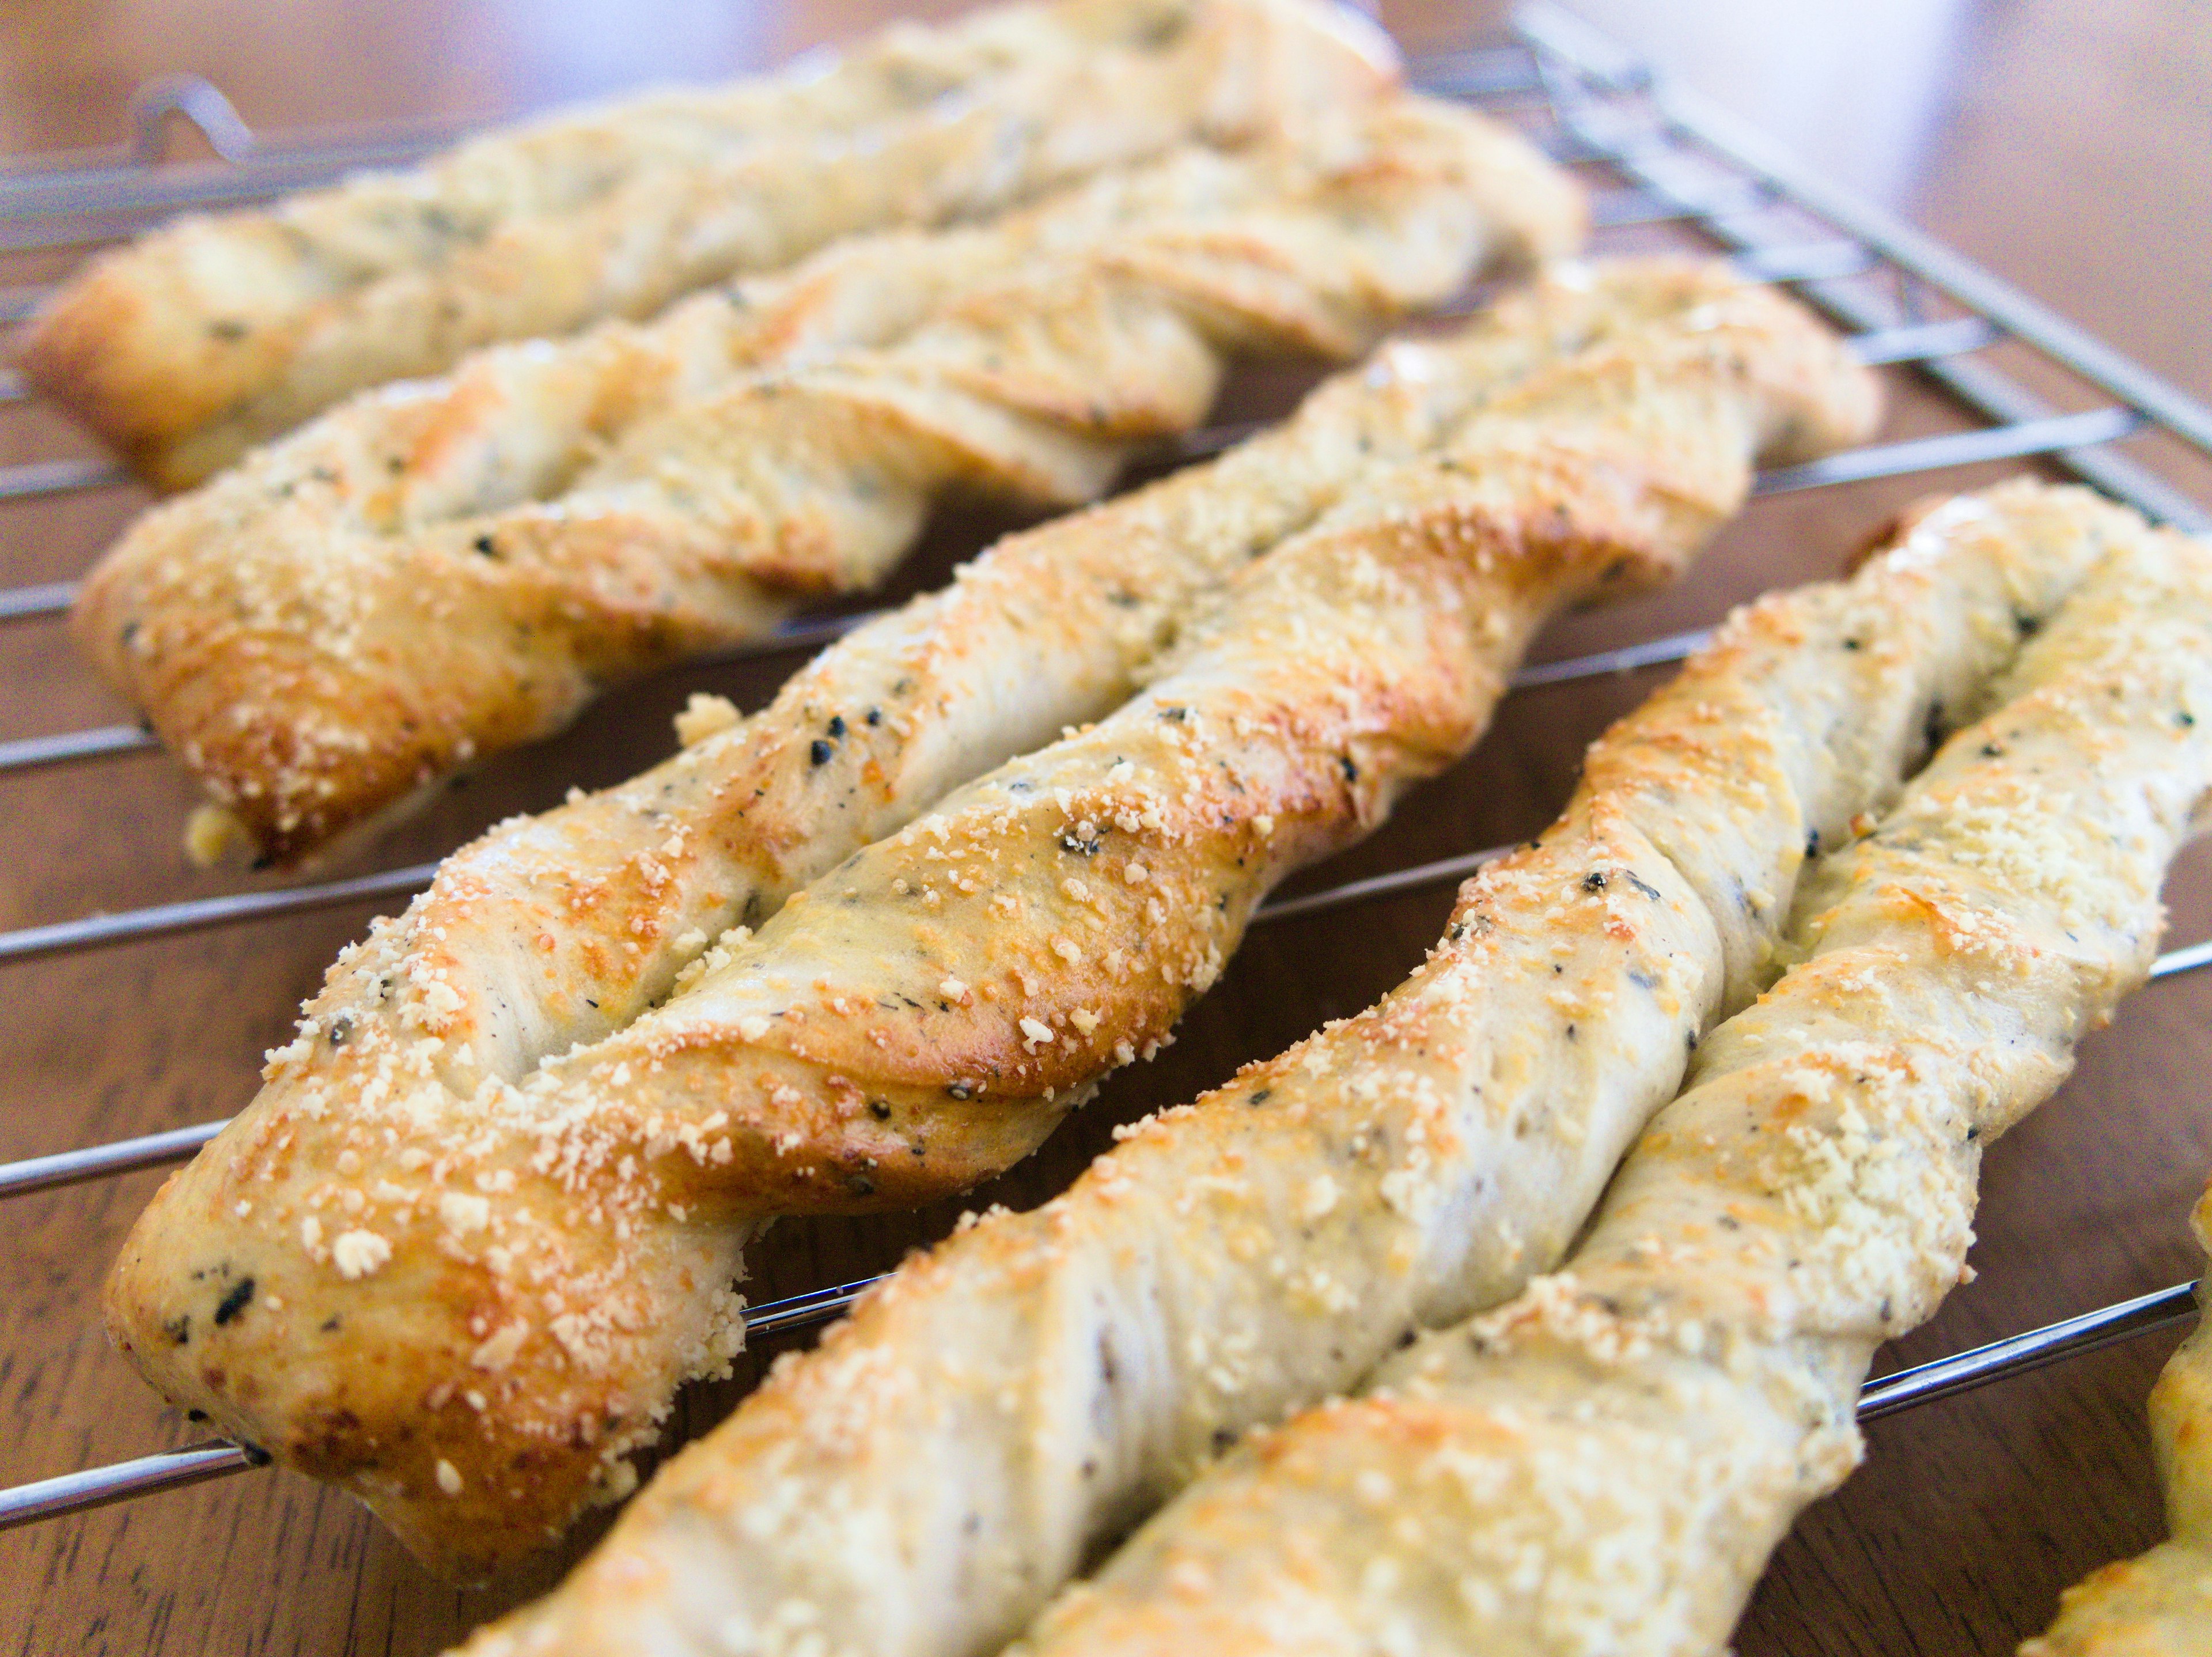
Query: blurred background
(2069,145)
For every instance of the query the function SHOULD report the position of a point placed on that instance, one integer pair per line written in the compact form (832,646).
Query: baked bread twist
(553,930)
(197,342)
(1605,1463)
(2159,1603)
(537,1265)
(435,573)
(1032,1387)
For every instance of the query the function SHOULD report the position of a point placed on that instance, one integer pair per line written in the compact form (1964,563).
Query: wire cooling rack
(1659,158)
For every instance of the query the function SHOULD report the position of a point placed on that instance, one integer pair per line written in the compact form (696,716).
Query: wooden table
(2064,146)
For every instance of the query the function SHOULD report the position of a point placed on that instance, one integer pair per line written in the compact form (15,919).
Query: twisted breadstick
(430,575)
(193,344)
(559,1251)
(556,930)
(1040,1381)
(2159,1603)
(1605,1463)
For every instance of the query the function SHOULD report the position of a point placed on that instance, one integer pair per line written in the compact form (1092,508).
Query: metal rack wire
(1902,298)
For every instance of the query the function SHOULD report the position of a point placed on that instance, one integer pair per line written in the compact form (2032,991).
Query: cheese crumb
(449,1477)
(359,1253)
(953,989)
(463,1213)
(1319,1198)
(499,1351)
(752,1026)
(704,716)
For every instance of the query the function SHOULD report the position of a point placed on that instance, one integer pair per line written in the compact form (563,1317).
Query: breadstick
(2159,1603)
(204,339)
(1242,1257)
(418,580)
(1603,1464)
(925,1012)
(1048,629)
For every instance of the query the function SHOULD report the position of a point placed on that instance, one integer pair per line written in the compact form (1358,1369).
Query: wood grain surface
(2063,145)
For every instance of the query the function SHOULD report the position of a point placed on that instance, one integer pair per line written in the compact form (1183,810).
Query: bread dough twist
(1037,1383)
(194,343)
(555,929)
(438,572)
(559,1248)
(2159,1603)
(1604,1462)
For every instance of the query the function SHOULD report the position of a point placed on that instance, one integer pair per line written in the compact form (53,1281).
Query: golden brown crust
(938,999)
(435,573)
(1605,1462)
(215,333)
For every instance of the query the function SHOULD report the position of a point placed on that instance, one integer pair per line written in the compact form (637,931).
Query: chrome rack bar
(153,1151)
(195,914)
(1623,208)
(260,168)
(1652,652)
(29,603)
(86,233)
(171,1470)
(1377,886)
(112,741)
(1784,263)
(1478,73)
(162,920)
(1953,448)
(1914,343)
(130,192)
(1815,262)
(2185,959)
(1565,39)
(1917,342)
(2002,1360)
(1818,261)
(99,742)
(1920,341)
(96,1487)
(59,478)
(120,1156)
